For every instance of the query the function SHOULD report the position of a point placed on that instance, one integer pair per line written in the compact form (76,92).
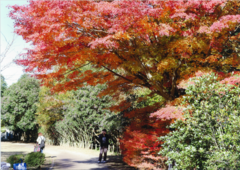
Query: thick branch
(116,53)
(162,93)
(117,74)
(174,80)
(159,90)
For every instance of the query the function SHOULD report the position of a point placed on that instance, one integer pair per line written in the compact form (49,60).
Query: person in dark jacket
(104,142)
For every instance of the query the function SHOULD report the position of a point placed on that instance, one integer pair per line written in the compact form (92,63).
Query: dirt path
(59,157)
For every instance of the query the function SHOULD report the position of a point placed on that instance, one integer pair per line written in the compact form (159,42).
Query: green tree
(18,105)
(3,85)
(84,115)
(49,110)
(209,136)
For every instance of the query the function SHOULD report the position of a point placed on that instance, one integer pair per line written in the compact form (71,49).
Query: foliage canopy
(152,44)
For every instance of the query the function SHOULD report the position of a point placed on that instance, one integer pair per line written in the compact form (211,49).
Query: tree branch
(117,74)
(76,68)
(174,79)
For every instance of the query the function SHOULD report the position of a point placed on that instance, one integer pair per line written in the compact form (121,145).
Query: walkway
(70,160)
(59,157)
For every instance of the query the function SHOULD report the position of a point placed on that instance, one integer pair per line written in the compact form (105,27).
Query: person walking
(103,139)
(41,142)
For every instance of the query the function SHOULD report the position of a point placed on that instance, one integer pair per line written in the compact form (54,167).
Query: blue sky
(13,72)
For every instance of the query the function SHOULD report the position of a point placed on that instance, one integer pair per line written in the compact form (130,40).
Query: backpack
(42,144)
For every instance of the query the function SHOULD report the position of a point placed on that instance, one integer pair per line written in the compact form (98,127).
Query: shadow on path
(116,162)
(113,163)
(7,154)
(81,164)
(62,158)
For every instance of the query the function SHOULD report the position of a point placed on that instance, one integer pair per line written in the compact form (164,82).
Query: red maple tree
(151,44)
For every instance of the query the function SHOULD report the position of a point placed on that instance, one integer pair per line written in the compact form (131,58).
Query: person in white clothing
(41,141)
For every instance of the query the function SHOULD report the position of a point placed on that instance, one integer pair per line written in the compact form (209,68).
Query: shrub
(209,136)
(13,159)
(34,159)
(3,130)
